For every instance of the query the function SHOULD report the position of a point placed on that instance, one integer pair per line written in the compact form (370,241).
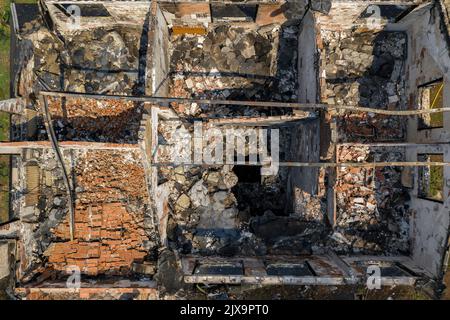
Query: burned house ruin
(161,144)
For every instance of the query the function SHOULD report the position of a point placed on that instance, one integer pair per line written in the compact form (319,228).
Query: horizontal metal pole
(314,164)
(18,146)
(259,104)
(390,144)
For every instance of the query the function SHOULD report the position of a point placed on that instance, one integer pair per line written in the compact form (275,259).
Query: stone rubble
(111,205)
(365,69)
(211,207)
(254,65)
(372,204)
(80,119)
(212,210)
(100,61)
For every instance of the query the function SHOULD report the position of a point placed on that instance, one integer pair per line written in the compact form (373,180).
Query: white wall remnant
(428,60)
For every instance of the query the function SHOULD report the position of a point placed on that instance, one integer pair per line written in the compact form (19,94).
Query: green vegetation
(5,14)
(436,178)
(437,96)
(4,187)
(431,184)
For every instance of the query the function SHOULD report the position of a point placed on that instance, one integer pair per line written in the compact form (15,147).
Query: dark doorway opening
(248,174)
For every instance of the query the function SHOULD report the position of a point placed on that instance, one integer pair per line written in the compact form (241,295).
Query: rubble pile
(211,207)
(102,61)
(369,127)
(204,213)
(235,63)
(219,210)
(290,235)
(109,216)
(307,206)
(365,69)
(109,176)
(372,209)
(268,194)
(81,119)
(203,207)
(206,68)
(110,207)
(37,221)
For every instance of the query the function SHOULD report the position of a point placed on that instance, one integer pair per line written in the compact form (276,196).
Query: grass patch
(5,14)
(5,167)
(437,96)
(431,178)
(436,178)
(4,84)
(432,97)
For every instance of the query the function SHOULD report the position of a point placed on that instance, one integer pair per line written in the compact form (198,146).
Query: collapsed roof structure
(118,111)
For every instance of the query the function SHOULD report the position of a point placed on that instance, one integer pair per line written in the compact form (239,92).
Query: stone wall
(308,61)
(428,60)
(160,56)
(16,106)
(345,15)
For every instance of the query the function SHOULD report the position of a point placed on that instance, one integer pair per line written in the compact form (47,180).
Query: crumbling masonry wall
(329,57)
(160,58)
(428,60)
(110,235)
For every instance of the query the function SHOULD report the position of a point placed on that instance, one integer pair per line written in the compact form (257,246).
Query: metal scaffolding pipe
(59,156)
(258,104)
(315,164)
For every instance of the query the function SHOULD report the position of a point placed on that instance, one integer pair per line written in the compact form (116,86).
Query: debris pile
(80,119)
(235,63)
(218,210)
(110,209)
(369,127)
(212,208)
(372,209)
(365,69)
(289,234)
(308,206)
(204,209)
(102,61)
(44,210)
